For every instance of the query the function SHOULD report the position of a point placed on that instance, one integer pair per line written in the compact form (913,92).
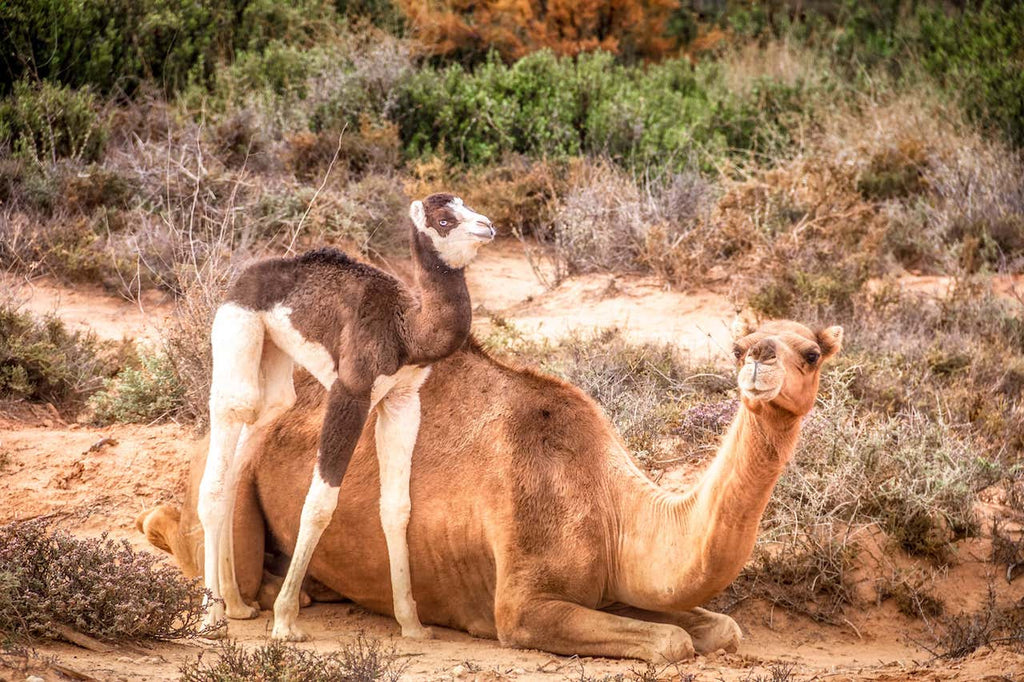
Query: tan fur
(530,522)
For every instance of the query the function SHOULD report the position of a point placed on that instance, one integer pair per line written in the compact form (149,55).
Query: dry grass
(913,592)
(993,624)
(364,660)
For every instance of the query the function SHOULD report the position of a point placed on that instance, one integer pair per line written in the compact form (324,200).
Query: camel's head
(780,363)
(455,230)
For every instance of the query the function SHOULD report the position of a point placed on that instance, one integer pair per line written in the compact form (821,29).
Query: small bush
(912,475)
(912,595)
(665,116)
(47,122)
(187,336)
(639,385)
(965,633)
(147,393)
(809,573)
(41,360)
(50,580)
(364,660)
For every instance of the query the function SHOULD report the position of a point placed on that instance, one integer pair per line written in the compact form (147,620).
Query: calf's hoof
(417,632)
(242,611)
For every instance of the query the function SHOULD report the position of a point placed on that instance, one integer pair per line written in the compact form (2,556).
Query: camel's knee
(518,625)
(394,515)
(712,631)
(238,402)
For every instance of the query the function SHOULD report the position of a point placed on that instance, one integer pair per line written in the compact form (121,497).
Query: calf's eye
(443,223)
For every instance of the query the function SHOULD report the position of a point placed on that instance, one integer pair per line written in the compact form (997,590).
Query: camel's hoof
(242,611)
(420,632)
(288,633)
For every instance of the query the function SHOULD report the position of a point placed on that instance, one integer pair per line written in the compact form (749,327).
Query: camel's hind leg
(276,369)
(398,422)
(235,398)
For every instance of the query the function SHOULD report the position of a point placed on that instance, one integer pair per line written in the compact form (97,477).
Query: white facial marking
(309,354)
(460,245)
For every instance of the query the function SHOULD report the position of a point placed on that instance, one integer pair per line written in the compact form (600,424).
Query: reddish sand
(53,469)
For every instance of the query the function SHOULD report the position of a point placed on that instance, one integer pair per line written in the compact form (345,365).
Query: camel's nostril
(764,351)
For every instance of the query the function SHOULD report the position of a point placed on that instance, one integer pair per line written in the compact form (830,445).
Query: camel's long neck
(702,539)
(439,324)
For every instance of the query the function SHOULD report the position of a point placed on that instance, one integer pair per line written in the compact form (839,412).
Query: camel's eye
(737,352)
(812,357)
(443,223)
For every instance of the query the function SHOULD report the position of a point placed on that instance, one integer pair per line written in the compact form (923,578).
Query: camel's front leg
(710,631)
(343,422)
(566,628)
(398,423)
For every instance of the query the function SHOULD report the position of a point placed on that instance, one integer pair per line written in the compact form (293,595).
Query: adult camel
(530,521)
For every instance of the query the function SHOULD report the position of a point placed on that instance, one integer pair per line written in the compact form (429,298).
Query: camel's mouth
(481,231)
(761,394)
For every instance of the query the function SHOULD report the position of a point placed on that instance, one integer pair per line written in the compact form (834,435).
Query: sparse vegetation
(363,660)
(41,360)
(147,392)
(912,594)
(805,158)
(52,583)
(965,633)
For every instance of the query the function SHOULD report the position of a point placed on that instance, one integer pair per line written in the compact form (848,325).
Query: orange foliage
(461,28)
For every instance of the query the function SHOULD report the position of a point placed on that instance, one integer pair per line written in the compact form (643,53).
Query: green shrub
(147,393)
(48,122)
(50,580)
(41,360)
(117,46)
(113,45)
(553,107)
(976,53)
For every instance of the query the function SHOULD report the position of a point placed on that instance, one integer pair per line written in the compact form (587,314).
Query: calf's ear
(418,215)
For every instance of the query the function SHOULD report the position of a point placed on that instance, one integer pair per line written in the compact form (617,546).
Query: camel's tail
(160,526)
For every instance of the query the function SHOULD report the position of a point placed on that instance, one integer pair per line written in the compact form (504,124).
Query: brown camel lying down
(530,521)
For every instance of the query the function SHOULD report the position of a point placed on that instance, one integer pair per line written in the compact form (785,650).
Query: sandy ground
(96,480)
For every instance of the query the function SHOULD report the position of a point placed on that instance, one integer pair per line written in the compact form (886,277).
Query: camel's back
(504,456)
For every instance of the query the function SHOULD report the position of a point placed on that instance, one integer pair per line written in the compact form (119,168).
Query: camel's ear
(830,340)
(418,215)
(743,325)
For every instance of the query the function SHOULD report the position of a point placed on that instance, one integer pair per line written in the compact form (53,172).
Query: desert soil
(96,480)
